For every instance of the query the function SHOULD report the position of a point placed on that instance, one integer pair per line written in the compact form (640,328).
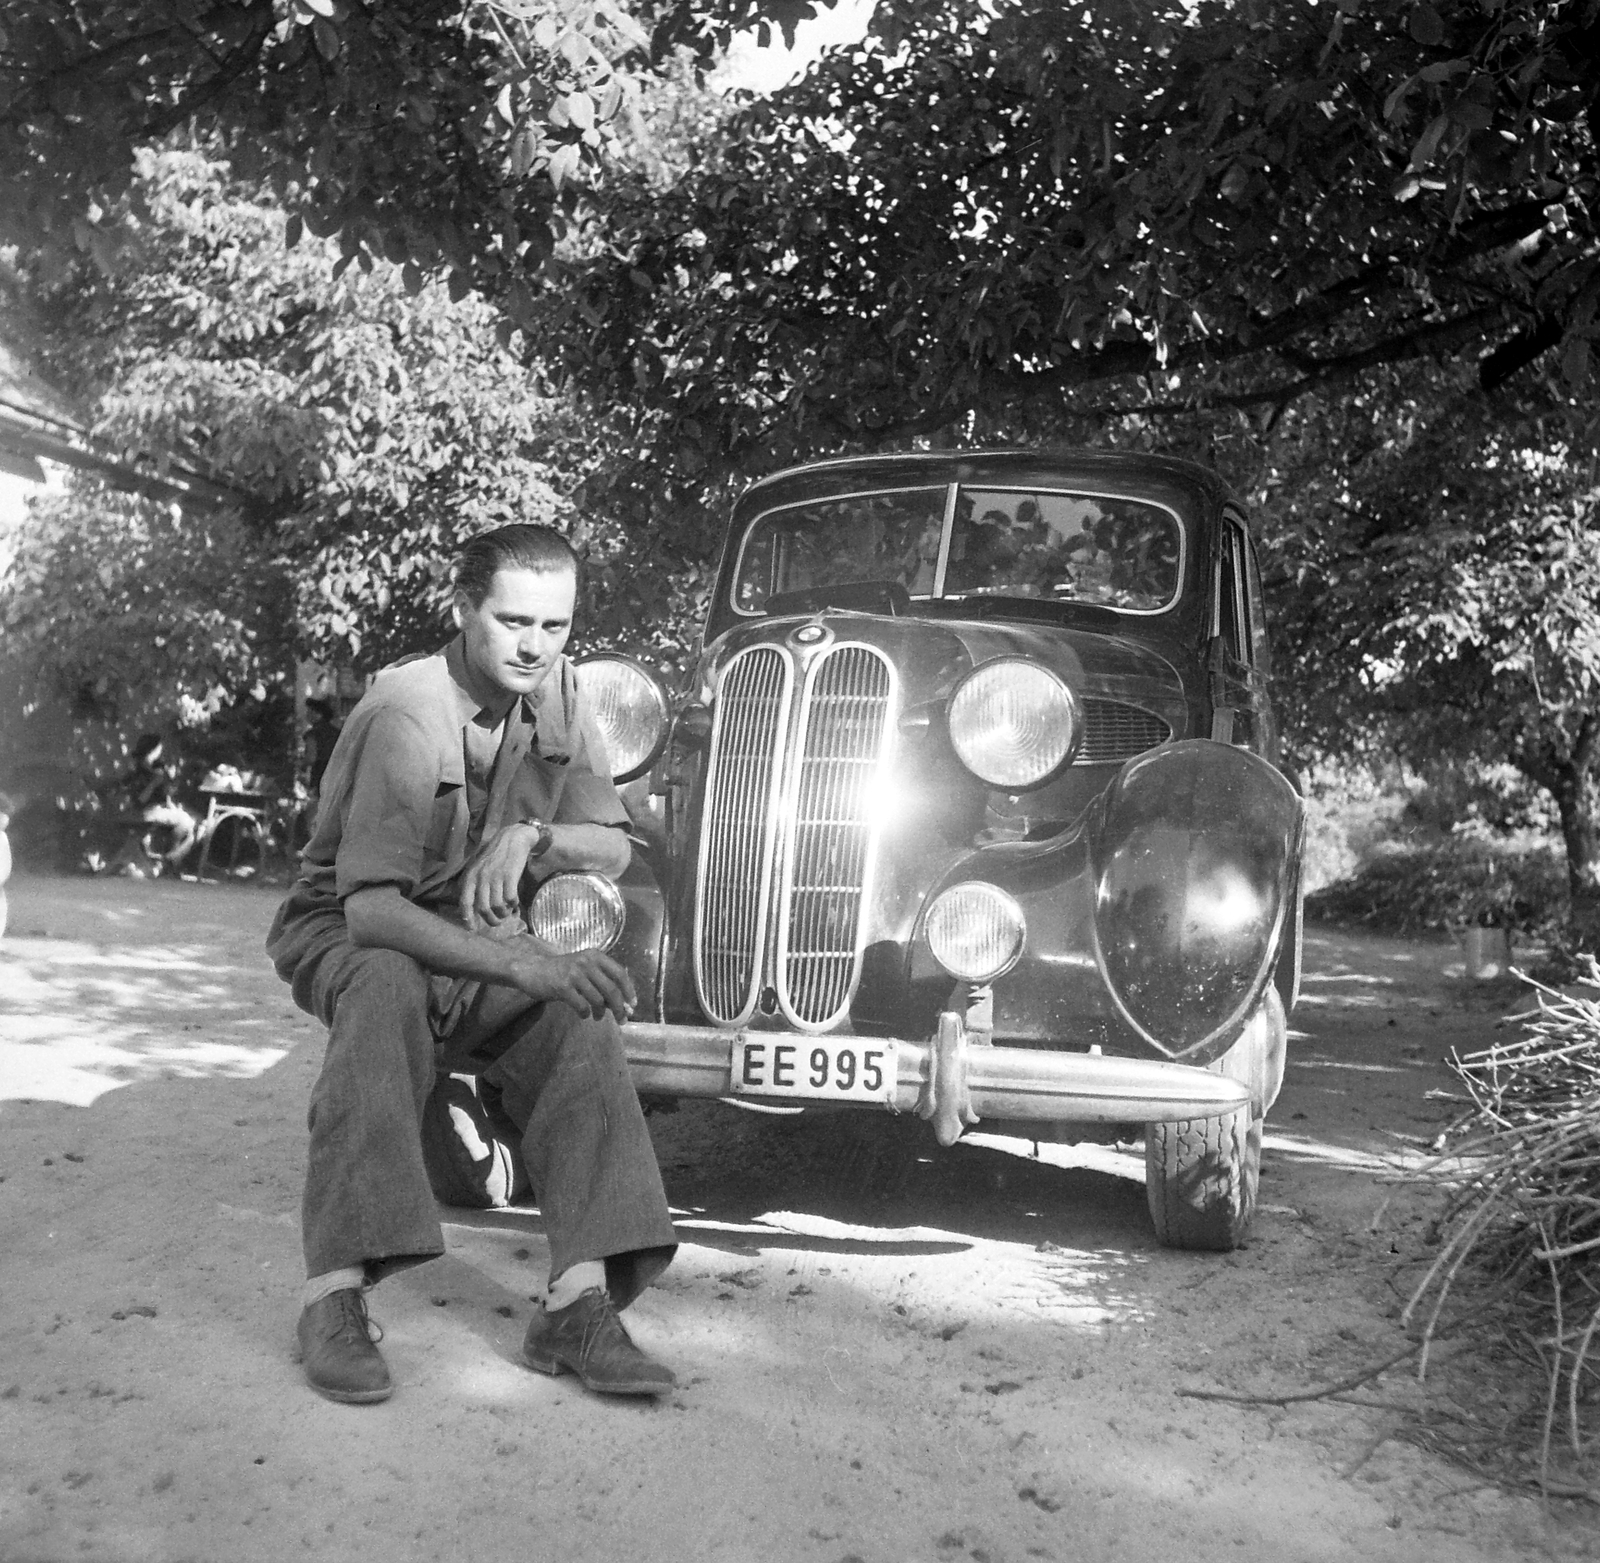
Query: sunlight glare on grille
(845,723)
(736,854)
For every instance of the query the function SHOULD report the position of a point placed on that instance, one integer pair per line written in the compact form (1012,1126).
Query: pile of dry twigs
(1520,1233)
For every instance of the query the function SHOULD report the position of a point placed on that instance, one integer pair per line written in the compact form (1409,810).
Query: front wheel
(1201,1175)
(1200,1179)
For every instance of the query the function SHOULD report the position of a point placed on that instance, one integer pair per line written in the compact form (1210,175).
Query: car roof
(1134,474)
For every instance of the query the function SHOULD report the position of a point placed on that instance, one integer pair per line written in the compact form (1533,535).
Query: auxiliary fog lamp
(573,912)
(976,931)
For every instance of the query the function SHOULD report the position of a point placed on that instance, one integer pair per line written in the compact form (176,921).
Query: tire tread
(1201,1180)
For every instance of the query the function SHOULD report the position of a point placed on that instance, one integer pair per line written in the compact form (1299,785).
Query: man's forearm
(603,848)
(382,918)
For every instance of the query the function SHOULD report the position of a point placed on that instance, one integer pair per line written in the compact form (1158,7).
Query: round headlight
(1013,723)
(976,931)
(630,710)
(576,912)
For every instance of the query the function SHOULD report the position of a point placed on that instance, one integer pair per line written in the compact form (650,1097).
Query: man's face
(512,638)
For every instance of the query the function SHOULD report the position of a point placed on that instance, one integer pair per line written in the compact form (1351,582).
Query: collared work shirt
(408,795)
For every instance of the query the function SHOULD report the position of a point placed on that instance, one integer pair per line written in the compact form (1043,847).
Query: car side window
(1255,604)
(1232,613)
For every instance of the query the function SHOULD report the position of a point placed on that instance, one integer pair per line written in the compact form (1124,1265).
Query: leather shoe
(339,1352)
(587,1338)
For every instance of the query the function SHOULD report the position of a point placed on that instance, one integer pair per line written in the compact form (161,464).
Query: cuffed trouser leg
(562,1079)
(367,1197)
(565,1081)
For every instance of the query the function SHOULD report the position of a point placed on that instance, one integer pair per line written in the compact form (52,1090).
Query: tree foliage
(448,136)
(1231,201)
(998,214)
(133,616)
(1437,558)
(373,429)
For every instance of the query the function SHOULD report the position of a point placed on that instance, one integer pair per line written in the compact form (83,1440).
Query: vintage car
(971,810)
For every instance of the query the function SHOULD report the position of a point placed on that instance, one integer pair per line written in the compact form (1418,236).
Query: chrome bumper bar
(954,1080)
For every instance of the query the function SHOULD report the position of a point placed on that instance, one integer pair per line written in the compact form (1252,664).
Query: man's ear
(455,609)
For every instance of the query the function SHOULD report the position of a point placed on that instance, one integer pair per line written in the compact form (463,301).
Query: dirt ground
(888,1353)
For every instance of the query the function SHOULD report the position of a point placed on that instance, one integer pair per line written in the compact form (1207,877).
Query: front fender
(639,948)
(1195,854)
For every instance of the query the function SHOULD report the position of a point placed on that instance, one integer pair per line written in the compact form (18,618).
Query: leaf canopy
(999,214)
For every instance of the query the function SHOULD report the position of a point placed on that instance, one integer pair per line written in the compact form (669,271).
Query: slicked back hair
(517,547)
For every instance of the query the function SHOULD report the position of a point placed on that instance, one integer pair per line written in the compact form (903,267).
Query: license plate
(826,1069)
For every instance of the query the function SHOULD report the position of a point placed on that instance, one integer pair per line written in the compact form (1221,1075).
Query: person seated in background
(150,788)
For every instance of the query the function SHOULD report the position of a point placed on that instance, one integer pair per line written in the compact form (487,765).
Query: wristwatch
(545,838)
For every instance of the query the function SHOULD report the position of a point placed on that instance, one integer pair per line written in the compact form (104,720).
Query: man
(321,734)
(457,774)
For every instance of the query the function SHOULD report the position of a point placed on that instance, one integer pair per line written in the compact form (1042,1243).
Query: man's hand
(490,881)
(590,982)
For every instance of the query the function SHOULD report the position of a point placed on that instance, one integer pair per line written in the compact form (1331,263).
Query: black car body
(973,809)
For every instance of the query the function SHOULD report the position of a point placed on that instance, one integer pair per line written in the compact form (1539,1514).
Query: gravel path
(888,1353)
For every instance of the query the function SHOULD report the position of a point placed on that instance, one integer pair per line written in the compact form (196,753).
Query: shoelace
(353,1315)
(596,1326)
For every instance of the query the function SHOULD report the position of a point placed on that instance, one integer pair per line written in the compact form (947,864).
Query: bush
(1453,882)
(1350,809)
(1455,796)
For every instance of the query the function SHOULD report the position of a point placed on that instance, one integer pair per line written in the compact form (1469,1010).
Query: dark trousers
(563,1079)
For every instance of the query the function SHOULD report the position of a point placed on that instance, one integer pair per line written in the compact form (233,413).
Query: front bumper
(954,1080)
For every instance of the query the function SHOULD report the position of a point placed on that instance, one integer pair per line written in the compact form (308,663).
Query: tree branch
(1498,366)
(1131,358)
(231,68)
(28,102)
(1353,1382)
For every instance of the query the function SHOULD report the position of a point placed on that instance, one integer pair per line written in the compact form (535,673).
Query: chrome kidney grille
(736,830)
(828,838)
(787,849)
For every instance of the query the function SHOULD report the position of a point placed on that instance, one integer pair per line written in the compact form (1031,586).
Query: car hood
(933,655)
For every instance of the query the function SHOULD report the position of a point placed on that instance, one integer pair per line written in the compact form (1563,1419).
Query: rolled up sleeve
(389,807)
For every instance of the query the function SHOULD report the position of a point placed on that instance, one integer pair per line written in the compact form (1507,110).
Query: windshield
(835,542)
(1116,553)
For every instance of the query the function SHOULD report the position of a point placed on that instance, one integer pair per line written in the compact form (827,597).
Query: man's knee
(377,1027)
(384,975)
(565,1050)
(596,1042)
